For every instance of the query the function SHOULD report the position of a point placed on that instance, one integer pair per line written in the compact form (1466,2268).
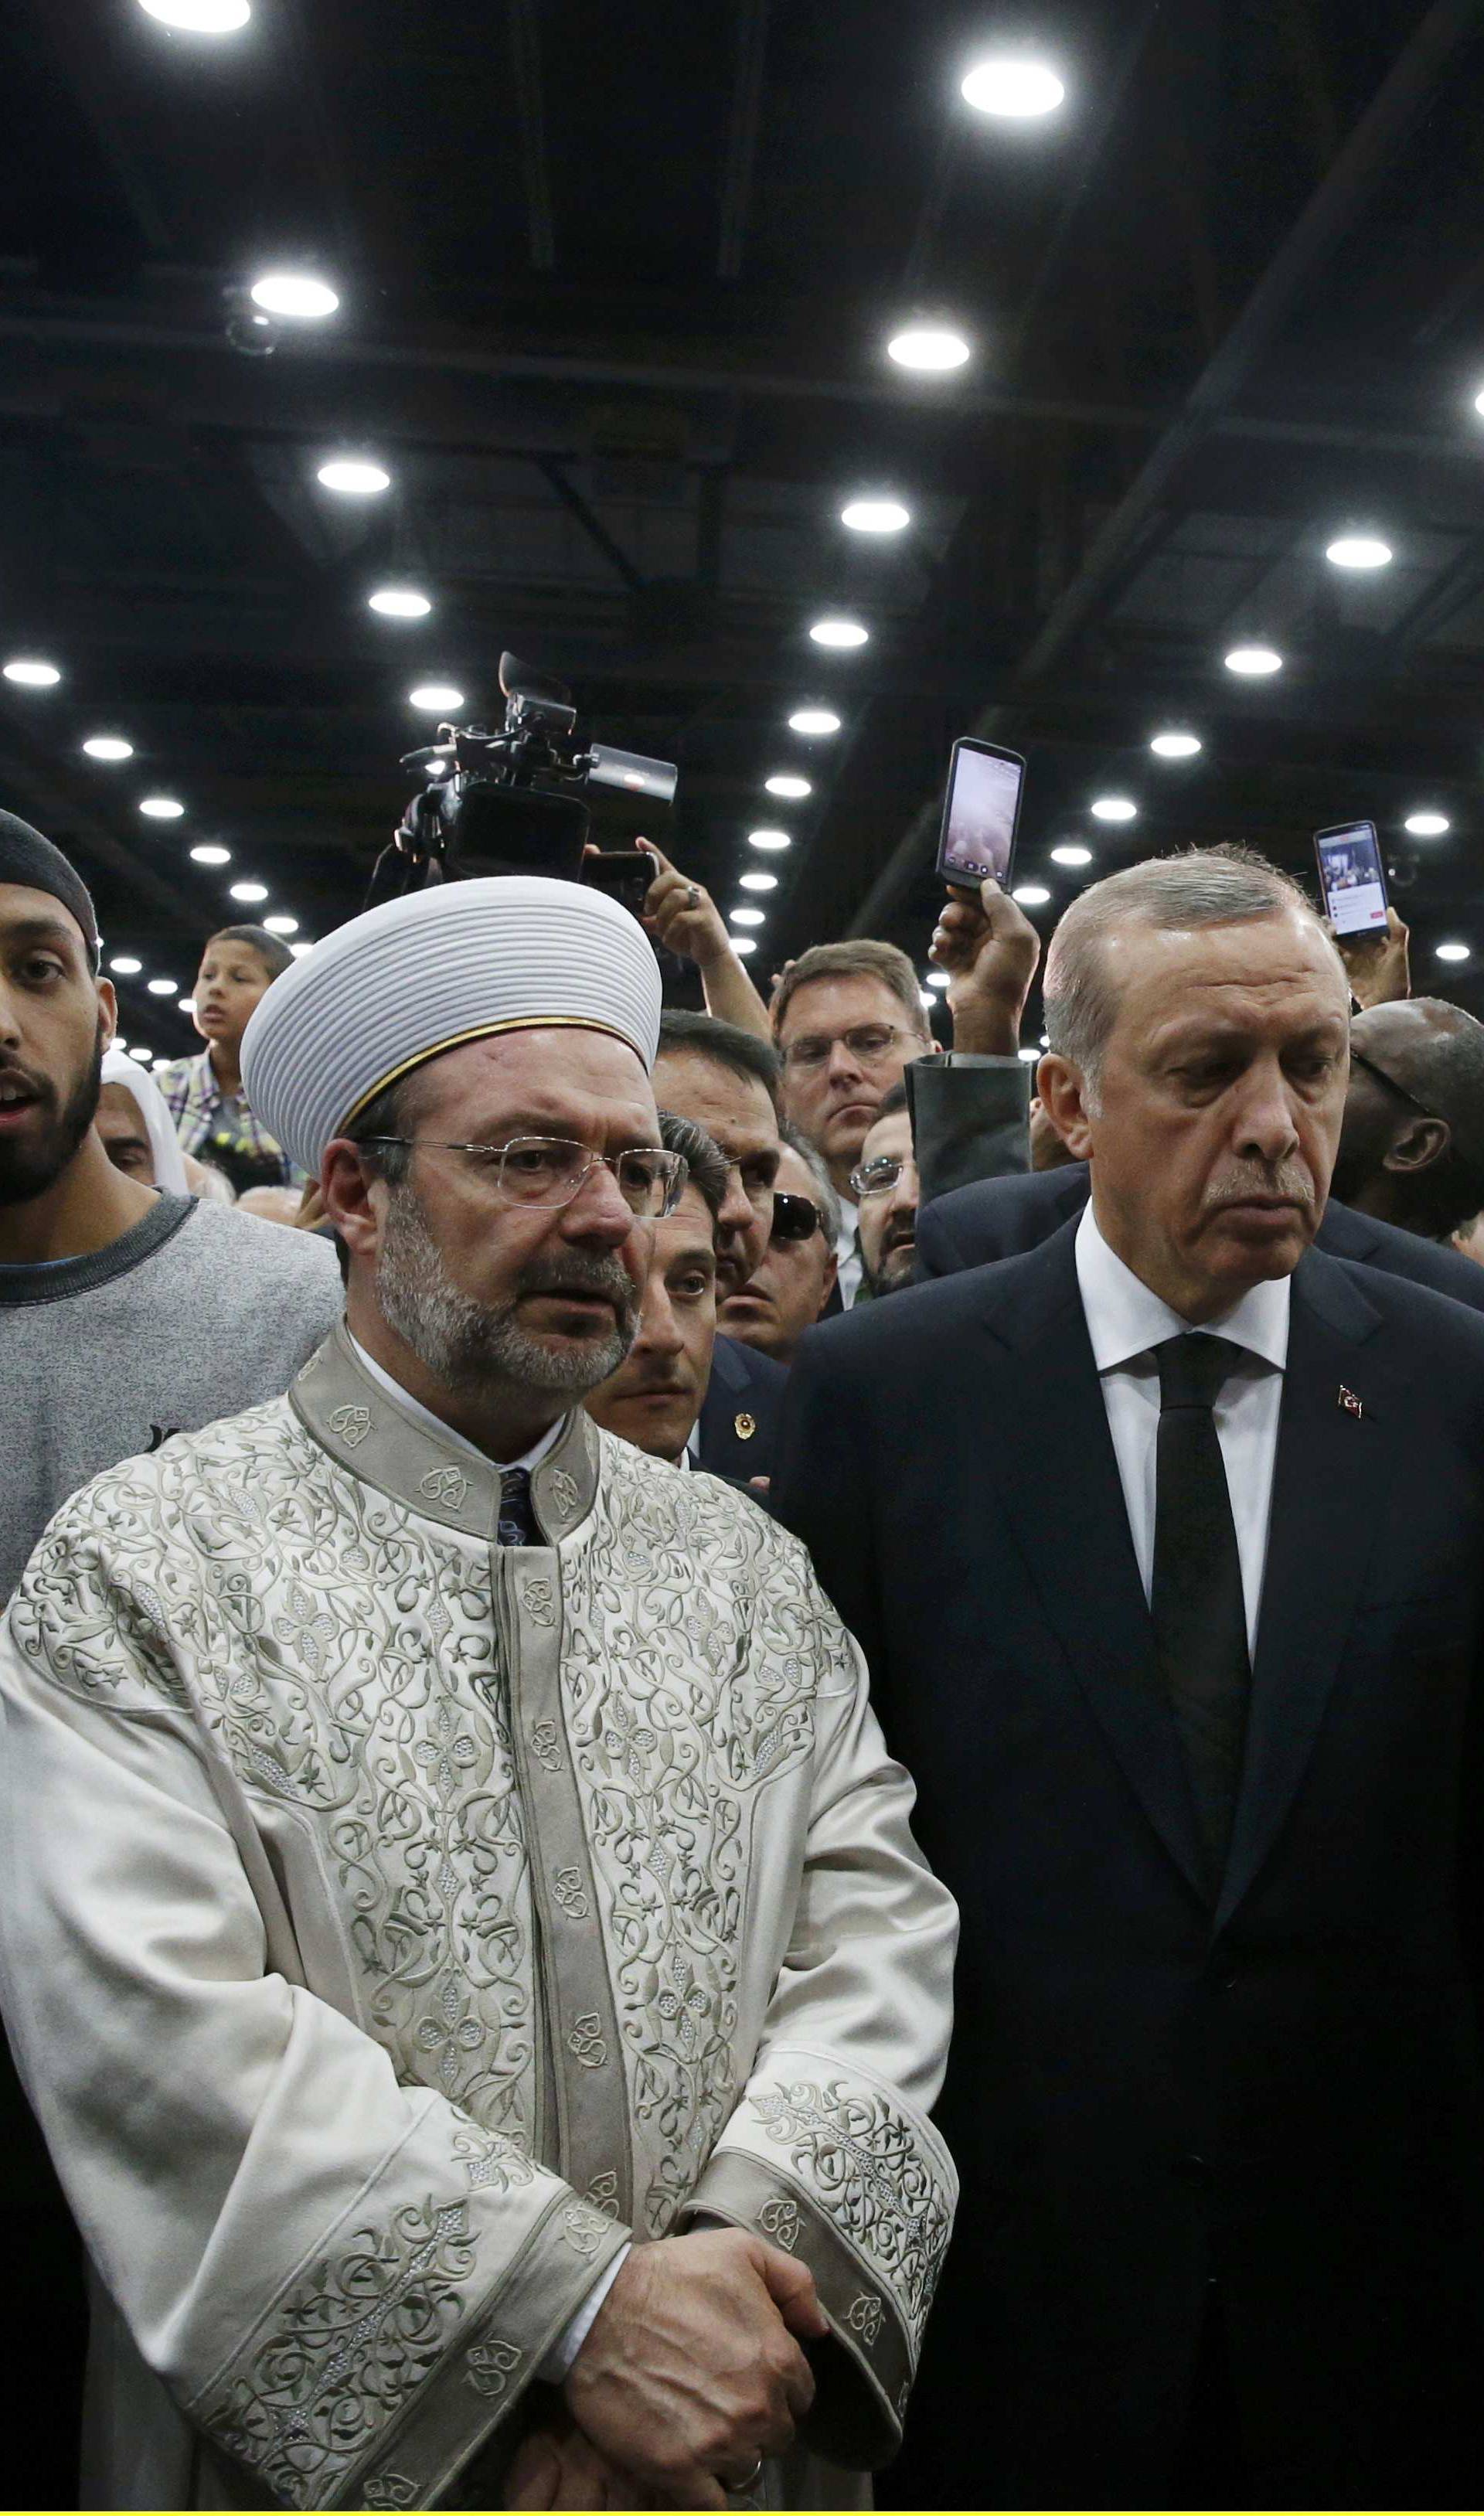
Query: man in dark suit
(1165,1544)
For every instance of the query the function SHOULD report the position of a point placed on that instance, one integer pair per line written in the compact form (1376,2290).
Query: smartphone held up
(1352,878)
(980,811)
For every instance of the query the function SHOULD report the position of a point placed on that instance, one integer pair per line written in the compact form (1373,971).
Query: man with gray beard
(462,1938)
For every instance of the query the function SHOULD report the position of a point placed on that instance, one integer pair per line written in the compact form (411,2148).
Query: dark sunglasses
(1359,1058)
(794,1218)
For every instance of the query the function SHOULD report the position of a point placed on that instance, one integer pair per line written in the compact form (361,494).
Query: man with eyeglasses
(463,1937)
(887,1187)
(1411,1148)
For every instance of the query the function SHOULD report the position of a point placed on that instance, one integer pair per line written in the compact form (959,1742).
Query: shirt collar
(425,1416)
(1124,1318)
(845,1238)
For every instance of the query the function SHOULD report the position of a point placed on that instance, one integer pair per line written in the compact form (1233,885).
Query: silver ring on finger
(692,895)
(746,2478)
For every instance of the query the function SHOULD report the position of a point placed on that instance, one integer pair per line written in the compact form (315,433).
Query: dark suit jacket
(746,1388)
(1145,2095)
(1000,1218)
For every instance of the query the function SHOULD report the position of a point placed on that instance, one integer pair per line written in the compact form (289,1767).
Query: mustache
(1291,1179)
(578,1272)
(900,1235)
(36,1084)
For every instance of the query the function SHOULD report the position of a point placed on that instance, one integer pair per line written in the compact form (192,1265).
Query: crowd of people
(562,1555)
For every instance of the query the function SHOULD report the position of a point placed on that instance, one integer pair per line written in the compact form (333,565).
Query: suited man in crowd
(1183,1660)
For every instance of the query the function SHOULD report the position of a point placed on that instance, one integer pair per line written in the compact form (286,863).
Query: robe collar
(366,1427)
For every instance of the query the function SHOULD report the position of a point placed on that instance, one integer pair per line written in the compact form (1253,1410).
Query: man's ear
(1421,1142)
(108,1013)
(351,1201)
(827,1287)
(1064,1099)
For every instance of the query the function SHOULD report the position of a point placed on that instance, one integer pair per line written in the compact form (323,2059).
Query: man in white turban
(460,1929)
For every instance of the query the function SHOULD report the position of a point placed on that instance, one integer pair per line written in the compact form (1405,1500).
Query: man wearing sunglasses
(1411,1148)
(791,1284)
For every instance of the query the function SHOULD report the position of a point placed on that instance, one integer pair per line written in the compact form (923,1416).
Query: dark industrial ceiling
(615,287)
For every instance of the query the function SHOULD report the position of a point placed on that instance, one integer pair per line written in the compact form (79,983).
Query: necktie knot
(517,1520)
(1194,1370)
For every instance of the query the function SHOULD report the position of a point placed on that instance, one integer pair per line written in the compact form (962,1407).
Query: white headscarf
(160,1126)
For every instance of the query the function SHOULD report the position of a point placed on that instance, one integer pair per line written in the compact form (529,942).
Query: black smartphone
(625,874)
(979,812)
(1352,878)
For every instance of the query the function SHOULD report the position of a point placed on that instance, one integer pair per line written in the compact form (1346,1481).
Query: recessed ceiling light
(1015,88)
(281,924)
(876,516)
(835,631)
(185,1005)
(792,789)
(1478,403)
(1453,952)
(108,746)
(745,943)
(400,603)
(811,720)
(941,978)
(1030,1056)
(1175,746)
(124,966)
(928,349)
(142,1056)
(162,808)
(1116,808)
(771,842)
(759,881)
(1072,856)
(353,478)
(747,916)
(300,949)
(199,17)
(1359,549)
(163,988)
(212,855)
(1427,825)
(1030,895)
(31,673)
(249,891)
(1254,661)
(295,294)
(926,1001)
(436,698)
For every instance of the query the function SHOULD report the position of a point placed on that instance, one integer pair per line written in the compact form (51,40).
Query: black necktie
(517,1526)
(1200,1618)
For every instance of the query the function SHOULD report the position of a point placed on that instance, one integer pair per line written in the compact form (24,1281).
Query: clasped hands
(691,2373)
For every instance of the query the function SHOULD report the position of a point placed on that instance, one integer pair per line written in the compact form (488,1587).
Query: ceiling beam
(740,167)
(530,109)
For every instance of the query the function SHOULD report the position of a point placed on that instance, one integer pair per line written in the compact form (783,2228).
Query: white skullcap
(165,1156)
(405,982)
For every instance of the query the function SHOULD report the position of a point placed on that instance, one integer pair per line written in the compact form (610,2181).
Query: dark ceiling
(616,286)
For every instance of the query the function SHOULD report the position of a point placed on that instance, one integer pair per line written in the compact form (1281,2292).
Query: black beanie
(26,856)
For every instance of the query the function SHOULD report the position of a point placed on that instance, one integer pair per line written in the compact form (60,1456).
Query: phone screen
(1353,878)
(978,812)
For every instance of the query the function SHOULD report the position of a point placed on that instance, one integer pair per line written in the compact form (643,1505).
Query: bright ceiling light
(745,943)
(1072,856)
(300,949)
(353,478)
(162,808)
(747,916)
(436,698)
(1427,825)
(199,17)
(1029,1056)
(792,789)
(281,924)
(926,1001)
(1175,746)
(142,1056)
(296,294)
(1453,953)
(876,516)
(1030,895)
(939,978)
(250,892)
(163,988)
(1359,549)
(1017,90)
(771,842)
(212,855)
(1254,661)
(1116,808)
(759,881)
(833,631)
(400,603)
(185,1005)
(811,720)
(31,673)
(108,746)
(124,966)
(928,349)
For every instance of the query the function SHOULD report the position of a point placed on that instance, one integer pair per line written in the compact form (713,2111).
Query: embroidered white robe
(392,1923)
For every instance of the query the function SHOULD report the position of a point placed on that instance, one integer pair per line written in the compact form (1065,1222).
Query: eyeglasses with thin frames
(877,1178)
(549,1171)
(869,1044)
(1358,1057)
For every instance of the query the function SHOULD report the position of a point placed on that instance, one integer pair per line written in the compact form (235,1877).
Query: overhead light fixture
(1359,549)
(928,349)
(747,916)
(792,789)
(876,516)
(142,1056)
(185,1005)
(1013,88)
(108,746)
(437,699)
(249,892)
(1478,403)
(1030,895)
(1175,746)
(303,946)
(1072,856)
(1116,808)
(124,966)
(926,1001)
(163,988)
(1427,825)
(813,719)
(162,808)
(31,673)
(771,842)
(1453,953)
(939,978)
(353,478)
(200,17)
(759,881)
(833,631)
(745,943)
(1029,1056)
(212,855)
(296,294)
(280,925)
(1254,661)
(400,603)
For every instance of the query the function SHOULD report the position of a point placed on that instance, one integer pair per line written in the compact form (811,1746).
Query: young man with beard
(887,1185)
(453,1863)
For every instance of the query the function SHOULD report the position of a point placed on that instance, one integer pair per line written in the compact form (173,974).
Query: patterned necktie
(1199,1616)
(517,1523)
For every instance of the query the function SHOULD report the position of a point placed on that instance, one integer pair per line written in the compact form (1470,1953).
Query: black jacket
(1144,2095)
(1001,1218)
(739,1421)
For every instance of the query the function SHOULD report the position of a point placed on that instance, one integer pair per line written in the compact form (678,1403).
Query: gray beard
(467,1344)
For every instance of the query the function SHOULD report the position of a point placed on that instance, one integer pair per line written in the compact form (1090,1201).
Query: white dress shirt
(847,1249)
(1125,1320)
(422,1414)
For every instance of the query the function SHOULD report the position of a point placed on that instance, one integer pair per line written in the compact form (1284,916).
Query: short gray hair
(825,1197)
(1221,886)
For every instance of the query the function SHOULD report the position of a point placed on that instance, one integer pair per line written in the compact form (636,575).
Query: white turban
(406,981)
(166,1154)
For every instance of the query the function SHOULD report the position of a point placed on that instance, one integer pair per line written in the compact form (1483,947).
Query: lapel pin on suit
(744,1426)
(1349,1402)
